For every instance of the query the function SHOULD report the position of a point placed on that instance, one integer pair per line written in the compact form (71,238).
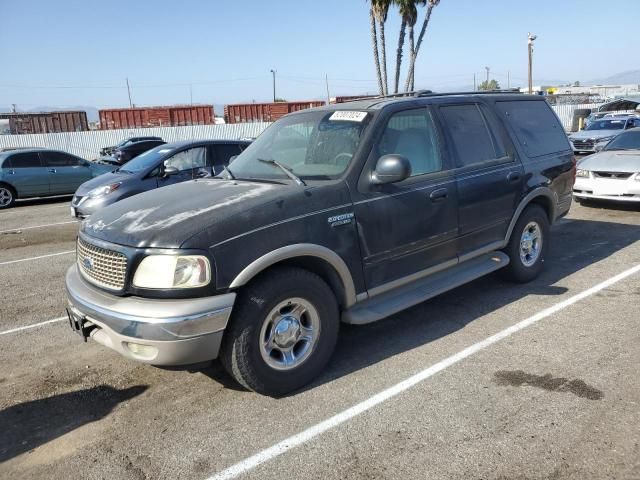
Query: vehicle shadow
(574,245)
(611,205)
(27,425)
(27,202)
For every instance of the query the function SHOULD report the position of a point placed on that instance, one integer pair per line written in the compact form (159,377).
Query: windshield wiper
(228,172)
(286,170)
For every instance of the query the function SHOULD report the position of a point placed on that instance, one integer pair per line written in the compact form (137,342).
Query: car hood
(613,161)
(102,180)
(168,216)
(595,134)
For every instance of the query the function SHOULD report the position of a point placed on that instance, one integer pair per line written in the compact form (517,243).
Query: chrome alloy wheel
(530,244)
(5,197)
(289,333)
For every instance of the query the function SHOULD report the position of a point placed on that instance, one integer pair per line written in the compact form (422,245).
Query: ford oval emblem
(87,263)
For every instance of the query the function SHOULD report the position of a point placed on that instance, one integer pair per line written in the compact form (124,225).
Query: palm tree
(380,11)
(411,74)
(374,45)
(409,15)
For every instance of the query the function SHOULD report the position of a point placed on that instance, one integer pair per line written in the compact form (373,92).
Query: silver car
(613,173)
(598,133)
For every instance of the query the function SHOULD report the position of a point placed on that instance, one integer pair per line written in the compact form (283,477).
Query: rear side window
(536,127)
(472,139)
(225,152)
(24,160)
(59,159)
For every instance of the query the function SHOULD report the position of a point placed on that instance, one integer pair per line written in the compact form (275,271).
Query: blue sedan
(28,173)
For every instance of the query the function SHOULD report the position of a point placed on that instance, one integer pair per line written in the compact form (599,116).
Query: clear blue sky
(226,49)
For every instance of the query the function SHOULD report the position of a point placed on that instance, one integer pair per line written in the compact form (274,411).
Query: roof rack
(430,93)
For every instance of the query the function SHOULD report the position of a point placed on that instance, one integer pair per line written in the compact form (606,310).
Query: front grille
(103,267)
(612,175)
(583,144)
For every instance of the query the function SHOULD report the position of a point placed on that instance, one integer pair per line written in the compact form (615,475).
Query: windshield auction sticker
(348,116)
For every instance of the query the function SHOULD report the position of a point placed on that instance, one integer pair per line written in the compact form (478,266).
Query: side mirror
(169,170)
(391,169)
(232,158)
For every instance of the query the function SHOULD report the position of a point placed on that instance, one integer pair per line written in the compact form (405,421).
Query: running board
(401,298)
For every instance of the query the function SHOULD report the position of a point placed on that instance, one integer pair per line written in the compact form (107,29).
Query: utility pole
(509,79)
(13,108)
(129,92)
(474,82)
(530,40)
(326,81)
(487,69)
(274,84)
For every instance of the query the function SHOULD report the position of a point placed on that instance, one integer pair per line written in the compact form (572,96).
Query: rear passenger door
(407,229)
(66,172)
(488,175)
(27,174)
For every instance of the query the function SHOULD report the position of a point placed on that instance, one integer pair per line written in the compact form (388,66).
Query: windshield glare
(625,141)
(146,160)
(312,145)
(607,125)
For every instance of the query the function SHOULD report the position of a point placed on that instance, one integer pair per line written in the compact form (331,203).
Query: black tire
(5,192)
(518,270)
(240,352)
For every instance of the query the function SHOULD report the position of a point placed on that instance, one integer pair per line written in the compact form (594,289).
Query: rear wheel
(282,332)
(528,245)
(7,196)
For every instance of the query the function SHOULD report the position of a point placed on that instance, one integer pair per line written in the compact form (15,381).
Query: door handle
(52,170)
(513,177)
(439,195)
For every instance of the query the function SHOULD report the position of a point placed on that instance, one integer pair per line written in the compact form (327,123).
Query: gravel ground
(558,399)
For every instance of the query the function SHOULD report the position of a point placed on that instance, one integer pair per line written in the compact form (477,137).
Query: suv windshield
(148,159)
(312,145)
(607,125)
(625,141)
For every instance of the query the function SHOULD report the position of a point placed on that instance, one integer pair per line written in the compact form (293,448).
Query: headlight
(169,271)
(102,191)
(582,173)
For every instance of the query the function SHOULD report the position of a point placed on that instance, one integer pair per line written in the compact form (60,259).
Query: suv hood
(612,161)
(595,134)
(166,217)
(102,180)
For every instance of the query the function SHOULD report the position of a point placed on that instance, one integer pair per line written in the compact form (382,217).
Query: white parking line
(18,229)
(35,325)
(38,257)
(346,415)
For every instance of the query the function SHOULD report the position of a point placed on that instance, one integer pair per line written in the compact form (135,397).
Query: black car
(123,154)
(163,165)
(126,142)
(349,212)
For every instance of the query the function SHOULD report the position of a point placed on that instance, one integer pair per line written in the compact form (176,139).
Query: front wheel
(282,332)
(528,245)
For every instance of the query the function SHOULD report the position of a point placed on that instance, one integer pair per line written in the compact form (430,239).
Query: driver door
(191,163)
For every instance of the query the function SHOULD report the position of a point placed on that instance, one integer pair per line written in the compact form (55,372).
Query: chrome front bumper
(171,331)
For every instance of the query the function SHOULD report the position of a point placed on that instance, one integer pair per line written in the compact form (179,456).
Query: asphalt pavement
(490,381)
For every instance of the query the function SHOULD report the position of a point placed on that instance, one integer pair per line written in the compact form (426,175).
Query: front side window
(225,152)
(412,134)
(59,159)
(625,141)
(316,145)
(24,160)
(472,139)
(188,159)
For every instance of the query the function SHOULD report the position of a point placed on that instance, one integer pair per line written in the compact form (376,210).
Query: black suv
(349,212)
(127,142)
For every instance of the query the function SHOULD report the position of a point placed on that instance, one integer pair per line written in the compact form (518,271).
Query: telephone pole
(326,81)
(129,92)
(274,84)
(487,69)
(530,40)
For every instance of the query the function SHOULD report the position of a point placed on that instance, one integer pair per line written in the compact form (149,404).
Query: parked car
(613,173)
(42,172)
(161,166)
(351,212)
(127,152)
(126,142)
(599,132)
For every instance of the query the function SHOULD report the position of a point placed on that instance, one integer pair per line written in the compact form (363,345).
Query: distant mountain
(628,77)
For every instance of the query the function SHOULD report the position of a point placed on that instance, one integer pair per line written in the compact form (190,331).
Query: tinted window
(625,141)
(146,160)
(470,133)
(24,160)
(187,159)
(225,152)
(59,159)
(617,124)
(537,128)
(412,134)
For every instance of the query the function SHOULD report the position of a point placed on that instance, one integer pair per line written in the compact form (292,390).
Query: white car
(598,133)
(613,173)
